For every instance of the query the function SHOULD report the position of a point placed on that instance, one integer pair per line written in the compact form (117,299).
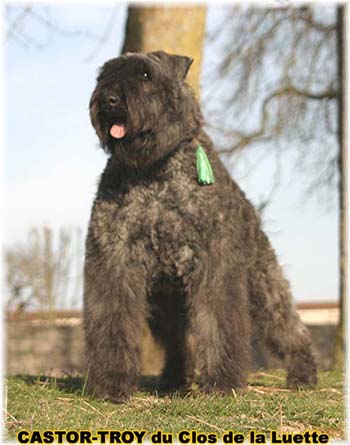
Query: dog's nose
(113,101)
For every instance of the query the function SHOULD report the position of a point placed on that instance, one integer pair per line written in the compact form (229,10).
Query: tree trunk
(343,183)
(177,30)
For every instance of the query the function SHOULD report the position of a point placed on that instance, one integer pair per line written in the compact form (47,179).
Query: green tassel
(204,171)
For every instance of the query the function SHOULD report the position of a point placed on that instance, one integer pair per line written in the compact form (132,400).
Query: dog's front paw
(302,370)
(113,395)
(117,398)
(306,376)
(306,379)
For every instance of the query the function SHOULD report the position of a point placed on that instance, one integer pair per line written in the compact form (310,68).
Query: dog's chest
(160,213)
(164,222)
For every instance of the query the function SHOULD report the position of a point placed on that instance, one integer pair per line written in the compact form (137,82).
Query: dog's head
(142,107)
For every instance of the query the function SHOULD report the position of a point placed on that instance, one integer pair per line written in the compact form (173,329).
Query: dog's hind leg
(114,315)
(275,318)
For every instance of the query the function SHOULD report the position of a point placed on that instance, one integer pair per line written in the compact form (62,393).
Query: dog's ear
(178,65)
(95,115)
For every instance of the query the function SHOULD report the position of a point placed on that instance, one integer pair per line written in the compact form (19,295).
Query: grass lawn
(47,403)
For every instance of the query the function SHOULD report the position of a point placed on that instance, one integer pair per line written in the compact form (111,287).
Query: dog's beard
(143,131)
(137,140)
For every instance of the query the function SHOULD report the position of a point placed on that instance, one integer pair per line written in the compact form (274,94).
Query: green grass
(47,403)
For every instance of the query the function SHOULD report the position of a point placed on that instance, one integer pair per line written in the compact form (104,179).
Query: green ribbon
(205,173)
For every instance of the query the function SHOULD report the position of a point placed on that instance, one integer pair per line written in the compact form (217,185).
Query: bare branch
(40,273)
(30,14)
(102,40)
(307,17)
(18,21)
(248,138)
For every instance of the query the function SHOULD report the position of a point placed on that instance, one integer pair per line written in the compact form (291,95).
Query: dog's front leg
(218,335)
(114,315)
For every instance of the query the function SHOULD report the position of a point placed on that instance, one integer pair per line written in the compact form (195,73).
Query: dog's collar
(205,175)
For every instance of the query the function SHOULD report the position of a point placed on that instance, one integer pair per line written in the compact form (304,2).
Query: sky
(52,160)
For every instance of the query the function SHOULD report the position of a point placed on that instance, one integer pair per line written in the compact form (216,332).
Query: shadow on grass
(76,385)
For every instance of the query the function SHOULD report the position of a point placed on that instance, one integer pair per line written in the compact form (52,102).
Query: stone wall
(49,347)
(52,344)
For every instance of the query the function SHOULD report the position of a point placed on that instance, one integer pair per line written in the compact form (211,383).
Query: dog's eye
(112,100)
(146,75)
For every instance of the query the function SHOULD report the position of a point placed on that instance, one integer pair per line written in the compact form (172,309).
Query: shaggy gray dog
(190,259)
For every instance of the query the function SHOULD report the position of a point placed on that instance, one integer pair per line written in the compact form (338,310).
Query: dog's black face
(142,108)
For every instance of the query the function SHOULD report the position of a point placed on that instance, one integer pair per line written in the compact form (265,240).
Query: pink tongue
(117,131)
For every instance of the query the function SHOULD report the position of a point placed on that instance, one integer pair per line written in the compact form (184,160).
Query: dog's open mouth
(118,131)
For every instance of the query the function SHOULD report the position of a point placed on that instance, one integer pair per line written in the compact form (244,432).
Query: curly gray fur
(190,260)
